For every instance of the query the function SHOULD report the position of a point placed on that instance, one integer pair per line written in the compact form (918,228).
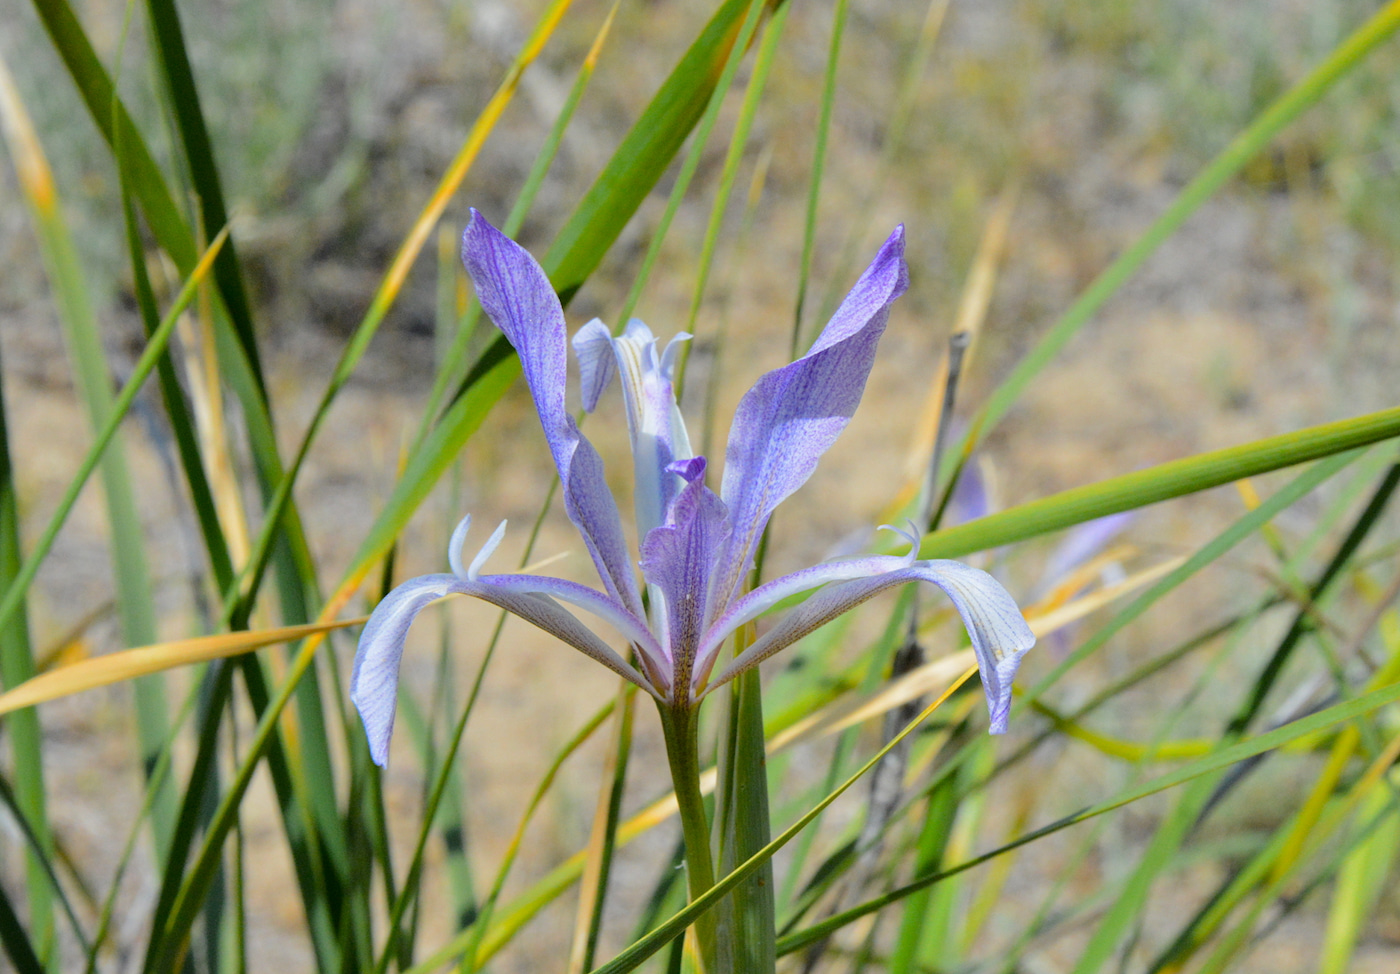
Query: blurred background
(1075,123)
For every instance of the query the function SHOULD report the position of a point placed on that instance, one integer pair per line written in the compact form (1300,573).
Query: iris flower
(697,547)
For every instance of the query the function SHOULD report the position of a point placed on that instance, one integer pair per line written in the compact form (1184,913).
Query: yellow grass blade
(112,668)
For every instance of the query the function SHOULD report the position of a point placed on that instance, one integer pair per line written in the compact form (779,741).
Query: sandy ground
(1267,312)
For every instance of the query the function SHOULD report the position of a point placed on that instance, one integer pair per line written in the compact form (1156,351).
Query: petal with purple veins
(515,293)
(677,558)
(999,634)
(794,414)
(375,679)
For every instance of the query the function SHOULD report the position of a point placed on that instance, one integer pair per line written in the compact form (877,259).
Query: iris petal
(375,679)
(999,634)
(794,414)
(516,294)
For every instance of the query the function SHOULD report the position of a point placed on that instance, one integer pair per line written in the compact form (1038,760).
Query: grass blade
(1162,482)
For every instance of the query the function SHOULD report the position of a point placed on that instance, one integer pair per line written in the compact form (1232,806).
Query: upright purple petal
(516,294)
(677,558)
(999,634)
(793,414)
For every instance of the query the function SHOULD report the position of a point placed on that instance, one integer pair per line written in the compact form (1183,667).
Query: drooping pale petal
(676,561)
(793,414)
(375,679)
(999,634)
(516,295)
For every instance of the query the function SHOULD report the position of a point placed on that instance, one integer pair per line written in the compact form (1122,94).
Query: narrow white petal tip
(454,547)
(672,354)
(909,533)
(487,550)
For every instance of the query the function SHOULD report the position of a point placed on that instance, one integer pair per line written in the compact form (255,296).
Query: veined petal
(676,561)
(793,414)
(375,679)
(627,625)
(374,682)
(516,294)
(593,347)
(999,634)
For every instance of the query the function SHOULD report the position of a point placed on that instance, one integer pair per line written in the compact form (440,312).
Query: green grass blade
(738,142)
(389,289)
(915,926)
(453,361)
(118,130)
(15,939)
(603,841)
(745,829)
(1126,908)
(639,951)
(1247,525)
(26,736)
(1361,881)
(176,408)
(204,173)
(1302,620)
(1159,483)
(135,597)
(15,591)
(240,371)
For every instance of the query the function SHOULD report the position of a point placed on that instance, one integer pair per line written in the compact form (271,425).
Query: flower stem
(679,724)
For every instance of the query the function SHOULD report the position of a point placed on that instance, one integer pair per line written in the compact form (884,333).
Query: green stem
(679,723)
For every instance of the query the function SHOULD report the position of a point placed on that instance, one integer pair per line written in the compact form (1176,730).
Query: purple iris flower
(697,547)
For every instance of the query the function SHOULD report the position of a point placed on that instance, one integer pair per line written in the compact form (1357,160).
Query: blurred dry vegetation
(1275,307)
